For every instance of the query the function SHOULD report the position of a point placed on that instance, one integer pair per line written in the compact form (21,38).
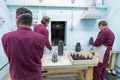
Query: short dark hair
(45,20)
(103,23)
(25,16)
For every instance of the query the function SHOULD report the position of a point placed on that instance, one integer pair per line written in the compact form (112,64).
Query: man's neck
(23,26)
(104,27)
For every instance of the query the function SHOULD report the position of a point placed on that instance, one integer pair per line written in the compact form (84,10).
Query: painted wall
(3,29)
(82,30)
(80,2)
(113,14)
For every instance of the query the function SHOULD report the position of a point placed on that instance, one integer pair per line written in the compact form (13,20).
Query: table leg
(112,61)
(89,73)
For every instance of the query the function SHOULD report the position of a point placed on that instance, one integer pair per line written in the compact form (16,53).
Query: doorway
(58,32)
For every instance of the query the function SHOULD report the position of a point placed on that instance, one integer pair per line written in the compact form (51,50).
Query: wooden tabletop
(62,60)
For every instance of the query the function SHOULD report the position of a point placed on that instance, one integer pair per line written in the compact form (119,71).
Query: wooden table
(64,68)
(111,63)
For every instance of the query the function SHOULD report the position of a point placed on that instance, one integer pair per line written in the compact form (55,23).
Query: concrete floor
(7,77)
(108,77)
(66,78)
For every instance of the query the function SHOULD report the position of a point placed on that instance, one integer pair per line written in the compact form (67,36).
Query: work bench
(64,68)
(111,63)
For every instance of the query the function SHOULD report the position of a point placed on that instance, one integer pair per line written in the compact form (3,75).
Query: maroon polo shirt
(105,37)
(24,49)
(40,28)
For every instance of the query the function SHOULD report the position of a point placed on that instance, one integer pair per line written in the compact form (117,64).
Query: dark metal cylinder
(54,57)
(60,48)
(78,47)
(91,41)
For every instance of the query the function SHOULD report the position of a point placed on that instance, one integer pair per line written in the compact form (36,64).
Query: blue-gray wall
(82,30)
(4,13)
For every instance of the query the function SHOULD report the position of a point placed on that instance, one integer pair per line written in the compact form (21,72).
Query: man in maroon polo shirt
(41,29)
(24,48)
(105,38)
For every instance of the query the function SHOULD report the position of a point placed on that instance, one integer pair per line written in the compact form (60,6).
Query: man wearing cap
(24,48)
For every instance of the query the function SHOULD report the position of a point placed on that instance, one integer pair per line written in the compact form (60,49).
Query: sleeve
(100,39)
(4,44)
(35,28)
(39,45)
(47,43)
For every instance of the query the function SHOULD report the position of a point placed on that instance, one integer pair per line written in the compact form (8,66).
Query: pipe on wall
(3,66)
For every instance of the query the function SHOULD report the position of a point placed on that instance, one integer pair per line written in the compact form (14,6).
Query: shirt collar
(24,27)
(103,29)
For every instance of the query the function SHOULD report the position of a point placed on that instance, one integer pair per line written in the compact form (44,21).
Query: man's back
(41,29)
(24,50)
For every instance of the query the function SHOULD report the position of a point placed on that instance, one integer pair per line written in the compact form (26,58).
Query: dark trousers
(99,72)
